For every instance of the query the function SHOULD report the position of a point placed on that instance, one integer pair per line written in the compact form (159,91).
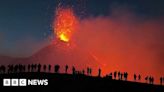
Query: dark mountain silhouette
(59,53)
(62,54)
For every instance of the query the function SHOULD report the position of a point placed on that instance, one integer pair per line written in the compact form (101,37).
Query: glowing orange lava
(64,25)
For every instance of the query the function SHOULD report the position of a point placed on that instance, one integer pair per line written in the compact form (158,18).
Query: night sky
(25,25)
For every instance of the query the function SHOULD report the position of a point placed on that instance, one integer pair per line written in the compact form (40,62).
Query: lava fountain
(64,24)
(64,49)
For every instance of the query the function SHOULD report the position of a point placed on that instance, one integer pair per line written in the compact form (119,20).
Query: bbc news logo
(25,82)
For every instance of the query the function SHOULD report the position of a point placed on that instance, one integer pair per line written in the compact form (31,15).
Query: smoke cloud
(124,42)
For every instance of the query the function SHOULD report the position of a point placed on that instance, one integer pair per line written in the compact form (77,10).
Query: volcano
(61,54)
(57,54)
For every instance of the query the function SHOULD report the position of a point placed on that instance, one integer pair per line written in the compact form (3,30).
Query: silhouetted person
(110,75)
(49,68)
(83,72)
(135,76)
(152,78)
(73,70)
(66,68)
(57,68)
(29,67)
(44,68)
(146,78)
(119,74)
(15,68)
(161,80)
(99,72)
(2,69)
(125,75)
(39,67)
(115,74)
(34,67)
(24,68)
(20,68)
(139,77)
(10,68)
(90,71)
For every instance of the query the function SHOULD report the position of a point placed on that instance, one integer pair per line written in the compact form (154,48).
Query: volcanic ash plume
(124,43)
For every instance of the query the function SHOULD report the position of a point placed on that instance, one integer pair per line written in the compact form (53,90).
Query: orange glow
(64,38)
(64,24)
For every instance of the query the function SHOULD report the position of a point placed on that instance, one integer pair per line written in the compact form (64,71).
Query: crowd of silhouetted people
(137,78)
(149,79)
(19,68)
(116,75)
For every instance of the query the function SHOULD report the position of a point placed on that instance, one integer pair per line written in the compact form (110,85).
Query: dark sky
(26,24)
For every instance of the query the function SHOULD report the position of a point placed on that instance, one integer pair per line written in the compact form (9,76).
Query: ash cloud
(124,41)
